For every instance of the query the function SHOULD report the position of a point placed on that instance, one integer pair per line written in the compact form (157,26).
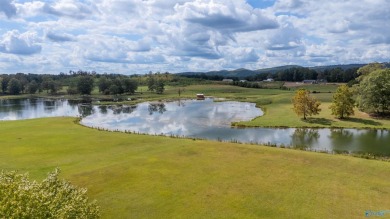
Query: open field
(140,176)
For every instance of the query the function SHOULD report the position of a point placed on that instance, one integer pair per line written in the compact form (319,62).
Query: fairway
(140,176)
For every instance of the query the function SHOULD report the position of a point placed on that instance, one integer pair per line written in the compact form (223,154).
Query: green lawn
(140,176)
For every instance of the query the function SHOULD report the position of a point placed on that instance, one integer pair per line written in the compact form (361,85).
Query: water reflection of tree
(103,109)
(123,109)
(304,138)
(50,105)
(156,107)
(341,140)
(14,105)
(181,103)
(86,110)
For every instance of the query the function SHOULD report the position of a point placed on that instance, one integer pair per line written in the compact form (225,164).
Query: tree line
(83,83)
(295,74)
(298,74)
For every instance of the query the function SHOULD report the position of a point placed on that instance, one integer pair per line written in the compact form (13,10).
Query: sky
(138,36)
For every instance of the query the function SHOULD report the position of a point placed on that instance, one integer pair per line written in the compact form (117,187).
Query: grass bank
(140,176)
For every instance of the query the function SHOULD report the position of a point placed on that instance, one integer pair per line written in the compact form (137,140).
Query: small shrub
(52,198)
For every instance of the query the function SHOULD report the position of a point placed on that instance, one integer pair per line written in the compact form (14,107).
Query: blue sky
(138,36)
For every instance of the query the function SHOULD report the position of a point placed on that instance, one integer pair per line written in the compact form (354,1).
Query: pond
(200,119)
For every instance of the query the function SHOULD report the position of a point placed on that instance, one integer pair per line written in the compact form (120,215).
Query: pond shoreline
(368,156)
(97,100)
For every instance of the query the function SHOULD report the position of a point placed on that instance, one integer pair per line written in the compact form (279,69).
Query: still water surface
(200,119)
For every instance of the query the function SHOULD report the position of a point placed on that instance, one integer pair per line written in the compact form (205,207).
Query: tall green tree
(130,85)
(367,69)
(85,84)
(32,87)
(374,92)
(343,103)
(1,84)
(304,104)
(151,82)
(4,83)
(159,87)
(104,85)
(14,87)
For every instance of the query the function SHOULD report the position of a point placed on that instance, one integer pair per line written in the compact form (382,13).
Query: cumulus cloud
(29,9)
(116,50)
(199,28)
(68,8)
(242,55)
(22,44)
(58,37)
(285,38)
(234,16)
(196,35)
(8,8)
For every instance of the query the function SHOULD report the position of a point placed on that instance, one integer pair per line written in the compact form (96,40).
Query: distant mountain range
(242,72)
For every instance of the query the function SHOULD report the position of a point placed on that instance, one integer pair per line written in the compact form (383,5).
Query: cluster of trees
(372,95)
(298,74)
(247,84)
(155,85)
(51,198)
(82,82)
(117,85)
(373,89)
(259,85)
(209,77)
(307,105)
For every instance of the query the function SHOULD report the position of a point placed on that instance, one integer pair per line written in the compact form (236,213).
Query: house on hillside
(243,81)
(269,80)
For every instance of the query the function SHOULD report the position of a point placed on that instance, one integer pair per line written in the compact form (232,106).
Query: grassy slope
(135,176)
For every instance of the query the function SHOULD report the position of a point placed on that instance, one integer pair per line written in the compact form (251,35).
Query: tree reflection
(86,110)
(304,138)
(341,140)
(14,105)
(123,109)
(128,109)
(156,107)
(103,109)
(181,103)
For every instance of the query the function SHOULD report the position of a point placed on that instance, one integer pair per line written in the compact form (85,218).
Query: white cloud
(68,8)
(20,44)
(189,35)
(59,37)
(233,16)
(285,38)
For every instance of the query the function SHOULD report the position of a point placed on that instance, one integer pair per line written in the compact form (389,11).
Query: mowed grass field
(140,176)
